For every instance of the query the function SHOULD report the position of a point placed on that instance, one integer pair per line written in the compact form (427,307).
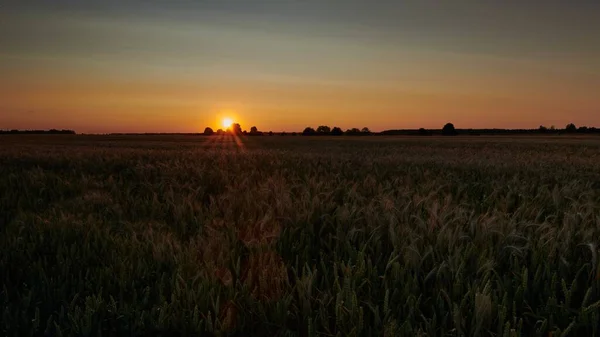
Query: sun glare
(227,123)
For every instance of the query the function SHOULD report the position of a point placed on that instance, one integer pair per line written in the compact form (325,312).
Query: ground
(299,236)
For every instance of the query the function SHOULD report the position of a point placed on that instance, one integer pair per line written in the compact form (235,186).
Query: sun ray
(238,142)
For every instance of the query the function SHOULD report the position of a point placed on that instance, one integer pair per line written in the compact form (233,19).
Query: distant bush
(254,131)
(337,131)
(309,132)
(449,130)
(236,129)
(353,132)
(208,131)
(323,130)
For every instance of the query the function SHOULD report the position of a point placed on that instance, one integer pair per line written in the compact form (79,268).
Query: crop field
(299,236)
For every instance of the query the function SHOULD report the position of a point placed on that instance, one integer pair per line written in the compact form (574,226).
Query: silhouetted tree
(308,131)
(365,130)
(570,128)
(236,129)
(220,132)
(208,132)
(270,133)
(583,129)
(336,131)
(353,132)
(254,131)
(323,129)
(449,130)
(543,129)
(245,133)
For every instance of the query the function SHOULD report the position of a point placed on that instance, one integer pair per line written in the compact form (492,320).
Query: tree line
(447,130)
(43,132)
(323,130)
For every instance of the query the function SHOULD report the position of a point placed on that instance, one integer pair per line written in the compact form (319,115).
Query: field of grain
(299,236)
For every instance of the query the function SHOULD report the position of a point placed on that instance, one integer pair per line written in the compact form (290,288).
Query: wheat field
(299,236)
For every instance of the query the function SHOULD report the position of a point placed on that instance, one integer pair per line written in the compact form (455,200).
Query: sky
(181,65)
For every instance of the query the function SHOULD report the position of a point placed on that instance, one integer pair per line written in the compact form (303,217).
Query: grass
(289,236)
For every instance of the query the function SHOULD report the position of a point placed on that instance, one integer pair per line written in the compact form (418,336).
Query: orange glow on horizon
(92,105)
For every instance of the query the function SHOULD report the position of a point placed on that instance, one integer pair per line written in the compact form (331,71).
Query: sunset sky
(178,66)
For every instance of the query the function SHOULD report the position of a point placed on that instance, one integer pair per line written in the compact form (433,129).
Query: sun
(227,122)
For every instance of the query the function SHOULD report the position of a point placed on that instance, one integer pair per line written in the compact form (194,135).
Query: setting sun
(227,122)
